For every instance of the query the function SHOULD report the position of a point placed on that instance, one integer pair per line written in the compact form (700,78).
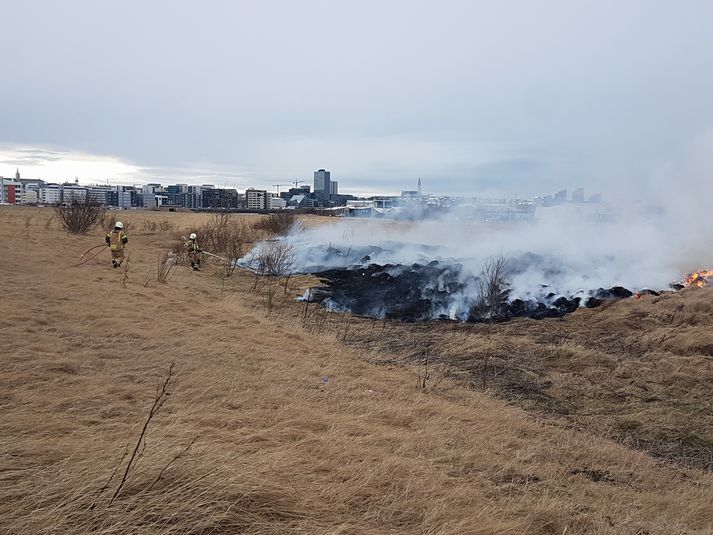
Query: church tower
(420,193)
(17,174)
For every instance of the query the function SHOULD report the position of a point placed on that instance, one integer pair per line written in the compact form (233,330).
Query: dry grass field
(280,421)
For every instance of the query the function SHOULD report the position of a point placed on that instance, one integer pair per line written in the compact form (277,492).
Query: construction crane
(295,182)
(278,187)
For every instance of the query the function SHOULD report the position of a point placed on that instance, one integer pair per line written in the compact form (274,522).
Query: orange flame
(699,278)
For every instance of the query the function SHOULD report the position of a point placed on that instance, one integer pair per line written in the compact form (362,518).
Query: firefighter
(117,240)
(194,251)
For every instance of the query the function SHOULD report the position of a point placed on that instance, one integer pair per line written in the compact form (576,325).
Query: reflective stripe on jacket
(117,239)
(192,246)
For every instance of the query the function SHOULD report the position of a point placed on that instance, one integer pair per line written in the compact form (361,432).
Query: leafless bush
(225,236)
(425,374)
(125,274)
(493,287)
(153,226)
(164,265)
(238,238)
(80,214)
(28,222)
(49,221)
(275,259)
(213,235)
(279,224)
(269,300)
(109,220)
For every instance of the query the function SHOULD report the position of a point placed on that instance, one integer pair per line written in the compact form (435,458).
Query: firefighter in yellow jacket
(194,251)
(117,240)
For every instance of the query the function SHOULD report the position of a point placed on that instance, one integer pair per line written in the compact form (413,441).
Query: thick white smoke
(567,250)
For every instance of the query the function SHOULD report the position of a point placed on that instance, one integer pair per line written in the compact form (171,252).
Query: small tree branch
(176,457)
(160,398)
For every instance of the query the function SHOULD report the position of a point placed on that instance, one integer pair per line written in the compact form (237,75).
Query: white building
(70,193)
(32,191)
(99,194)
(360,208)
(50,194)
(277,203)
(257,199)
(124,199)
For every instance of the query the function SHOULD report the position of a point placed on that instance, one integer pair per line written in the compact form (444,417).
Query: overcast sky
(474,97)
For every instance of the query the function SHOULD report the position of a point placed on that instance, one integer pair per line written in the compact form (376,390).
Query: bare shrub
(269,300)
(109,220)
(157,226)
(238,237)
(274,260)
(125,274)
(80,215)
(277,259)
(164,265)
(28,222)
(425,374)
(279,224)
(226,236)
(493,288)
(213,235)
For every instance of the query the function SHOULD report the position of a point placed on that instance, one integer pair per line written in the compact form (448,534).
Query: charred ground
(408,293)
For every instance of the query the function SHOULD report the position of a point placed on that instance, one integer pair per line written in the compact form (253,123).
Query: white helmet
(118,224)
(193,236)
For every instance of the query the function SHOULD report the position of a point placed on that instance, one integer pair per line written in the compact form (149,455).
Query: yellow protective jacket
(116,240)
(192,246)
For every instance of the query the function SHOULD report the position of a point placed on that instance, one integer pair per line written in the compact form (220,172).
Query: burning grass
(699,278)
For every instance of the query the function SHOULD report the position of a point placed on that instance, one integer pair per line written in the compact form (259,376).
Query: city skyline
(39,164)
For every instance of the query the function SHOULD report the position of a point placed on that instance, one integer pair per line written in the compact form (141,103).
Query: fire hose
(215,256)
(209,254)
(83,261)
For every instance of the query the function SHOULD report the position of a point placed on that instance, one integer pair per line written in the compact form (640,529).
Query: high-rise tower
(321,182)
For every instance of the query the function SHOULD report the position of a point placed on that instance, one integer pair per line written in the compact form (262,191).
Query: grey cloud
(604,92)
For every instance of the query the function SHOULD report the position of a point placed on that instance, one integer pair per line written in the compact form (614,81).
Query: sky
(474,97)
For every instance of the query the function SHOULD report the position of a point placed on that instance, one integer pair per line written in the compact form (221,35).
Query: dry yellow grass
(296,433)
(638,371)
